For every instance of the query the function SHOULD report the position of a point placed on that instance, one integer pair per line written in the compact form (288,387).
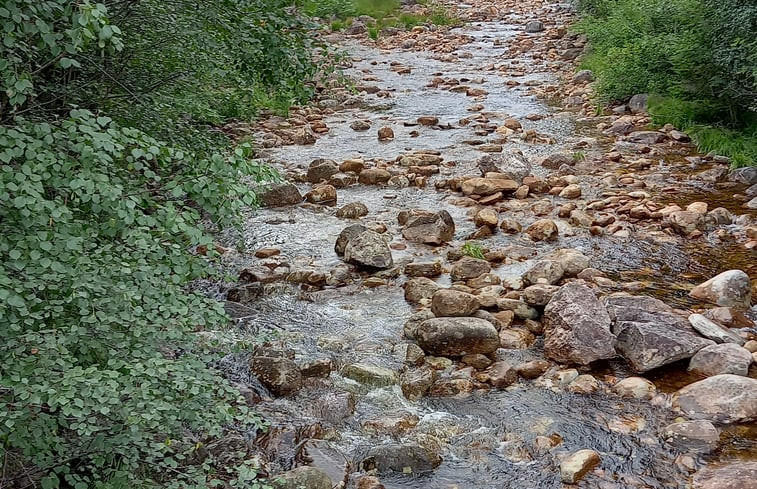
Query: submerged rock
(722,399)
(280,375)
(696,435)
(577,327)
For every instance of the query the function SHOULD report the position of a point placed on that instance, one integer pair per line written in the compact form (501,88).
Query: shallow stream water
(487,439)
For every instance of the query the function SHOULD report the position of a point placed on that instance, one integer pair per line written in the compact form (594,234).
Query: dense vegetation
(111,164)
(697,57)
(385,13)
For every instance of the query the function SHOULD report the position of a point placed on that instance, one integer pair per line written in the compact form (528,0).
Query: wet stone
(692,435)
(577,465)
(420,290)
(321,170)
(279,375)
(727,358)
(469,268)
(370,375)
(635,388)
(280,195)
(722,399)
(457,336)
(423,269)
(733,475)
(353,210)
(415,383)
(369,249)
(429,228)
(405,458)
(577,327)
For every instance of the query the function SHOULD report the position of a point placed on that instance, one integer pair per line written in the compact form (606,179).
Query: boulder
(540,294)
(723,399)
(346,235)
(577,327)
(542,230)
(638,103)
(420,289)
(726,358)
(457,336)
(692,435)
(322,194)
(374,176)
(649,332)
(280,375)
(646,137)
(572,261)
(321,170)
(733,475)
(730,289)
(747,175)
(686,222)
(534,26)
(404,458)
(512,165)
(353,210)
(468,268)
(369,249)
(280,195)
(544,272)
(453,303)
(430,228)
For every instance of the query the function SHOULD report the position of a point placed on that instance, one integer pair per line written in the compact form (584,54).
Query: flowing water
(487,439)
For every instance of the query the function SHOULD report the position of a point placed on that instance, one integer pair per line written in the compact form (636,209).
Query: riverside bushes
(697,57)
(109,167)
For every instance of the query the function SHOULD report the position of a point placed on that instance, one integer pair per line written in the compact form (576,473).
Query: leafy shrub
(97,365)
(698,56)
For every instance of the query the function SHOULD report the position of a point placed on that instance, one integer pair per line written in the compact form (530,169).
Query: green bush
(698,57)
(98,368)
(102,380)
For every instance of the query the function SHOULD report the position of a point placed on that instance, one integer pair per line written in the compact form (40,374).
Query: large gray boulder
(722,399)
(577,327)
(369,249)
(321,170)
(649,332)
(430,228)
(730,289)
(456,337)
(747,175)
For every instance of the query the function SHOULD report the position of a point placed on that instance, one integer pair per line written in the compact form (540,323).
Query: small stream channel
(487,439)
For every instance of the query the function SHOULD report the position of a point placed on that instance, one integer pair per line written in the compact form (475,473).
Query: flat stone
(713,331)
(457,336)
(734,475)
(727,358)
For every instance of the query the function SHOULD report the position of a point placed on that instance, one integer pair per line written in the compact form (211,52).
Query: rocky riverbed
(471,279)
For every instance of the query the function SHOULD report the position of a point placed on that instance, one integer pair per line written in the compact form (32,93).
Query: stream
(487,438)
